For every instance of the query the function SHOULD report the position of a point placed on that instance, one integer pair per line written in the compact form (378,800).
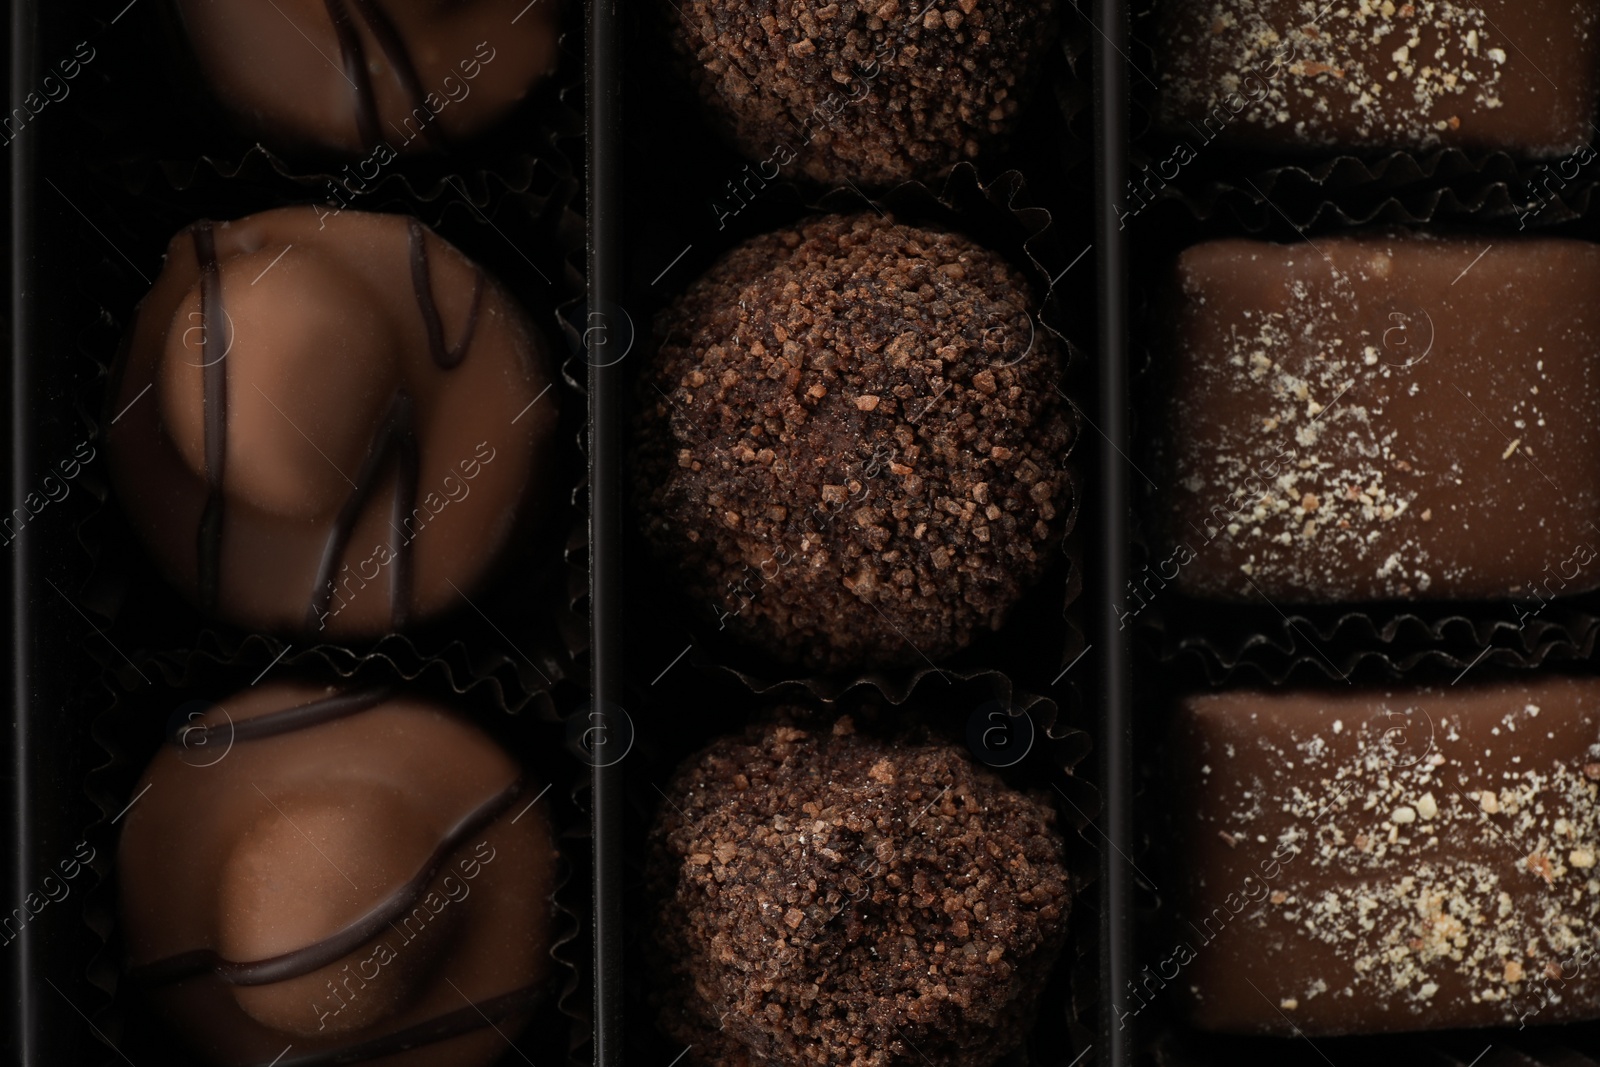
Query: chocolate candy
(350,872)
(876,93)
(328,424)
(1362,862)
(375,76)
(823,897)
(1521,76)
(852,442)
(1380,416)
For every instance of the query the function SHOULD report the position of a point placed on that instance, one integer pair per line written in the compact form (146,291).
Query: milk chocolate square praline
(1380,416)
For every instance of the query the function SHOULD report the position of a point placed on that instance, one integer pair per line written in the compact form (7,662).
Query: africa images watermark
(1257,888)
(1255,487)
(1583,554)
(51,90)
(743,190)
(1253,88)
(455,490)
(53,489)
(818,518)
(1402,339)
(53,889)
(356,178)
(1539,192)
(345,987)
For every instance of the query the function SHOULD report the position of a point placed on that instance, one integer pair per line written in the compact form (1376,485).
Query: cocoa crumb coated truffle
(878,92)
(820,897)
(851,442)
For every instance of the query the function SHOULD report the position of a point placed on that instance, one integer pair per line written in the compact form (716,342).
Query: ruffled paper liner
(1220,644)
(132,704)
(1464,1048)
(686,711)
(1218,647)
(160,122)
(1397,187)
(1073,91)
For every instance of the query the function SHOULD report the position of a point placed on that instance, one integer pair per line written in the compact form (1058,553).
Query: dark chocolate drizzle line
(397,434)
(422,284)
(441,1028)
(303,717)
(353,54)
(214,374)
(394,47)
(340,944)
(354,57)
(408,473)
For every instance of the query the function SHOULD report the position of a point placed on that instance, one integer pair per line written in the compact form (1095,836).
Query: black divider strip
(605,516)
(1110,505)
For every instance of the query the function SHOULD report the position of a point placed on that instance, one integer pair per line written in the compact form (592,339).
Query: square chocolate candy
(1380,416)
(1368,862)
(1521,76)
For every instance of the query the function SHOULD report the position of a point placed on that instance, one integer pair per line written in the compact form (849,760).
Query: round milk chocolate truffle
(821,897)
(374,76)
(852,440)
(352,873)
(871,92)
(328,425)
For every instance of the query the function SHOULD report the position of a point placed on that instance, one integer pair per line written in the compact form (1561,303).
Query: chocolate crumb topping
(877,92)
(826,898)
(851,442)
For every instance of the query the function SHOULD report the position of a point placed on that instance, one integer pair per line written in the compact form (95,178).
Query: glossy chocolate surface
(1363,862)
(1380,416)
(328,423)
(375,76)
(1521,76)
(354,873)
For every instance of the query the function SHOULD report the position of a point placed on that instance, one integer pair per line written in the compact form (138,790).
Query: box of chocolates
(961,533)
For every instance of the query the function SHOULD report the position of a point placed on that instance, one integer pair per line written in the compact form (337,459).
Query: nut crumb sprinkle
(1433,859)
(1372,74)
